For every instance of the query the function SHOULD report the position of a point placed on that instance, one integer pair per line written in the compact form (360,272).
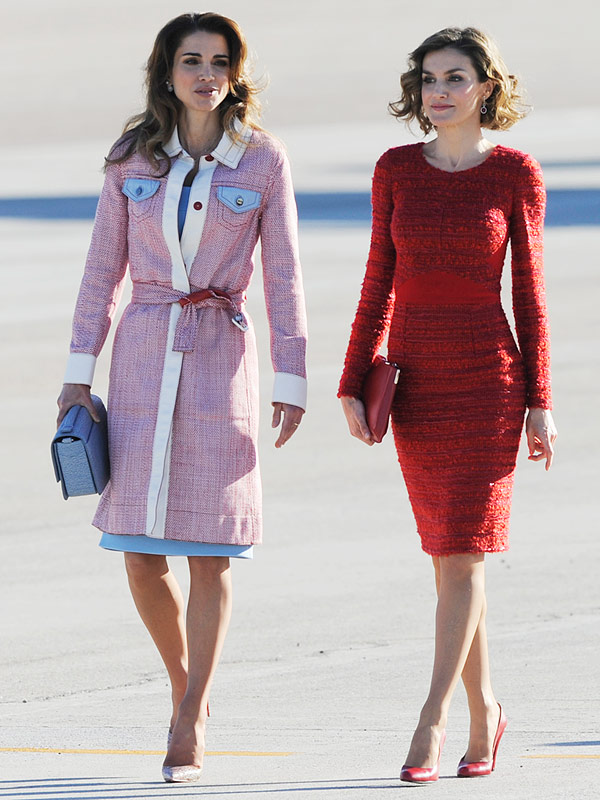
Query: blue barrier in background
(565,207)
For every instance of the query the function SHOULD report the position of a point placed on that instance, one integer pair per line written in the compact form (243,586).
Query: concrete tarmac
(329,653)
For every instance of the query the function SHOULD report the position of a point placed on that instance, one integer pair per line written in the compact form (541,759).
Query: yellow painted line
(562,756)
(250,753)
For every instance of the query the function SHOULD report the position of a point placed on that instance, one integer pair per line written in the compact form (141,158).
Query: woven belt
(186,330)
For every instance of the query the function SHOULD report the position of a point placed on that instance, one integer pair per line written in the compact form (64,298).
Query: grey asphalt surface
(329,654)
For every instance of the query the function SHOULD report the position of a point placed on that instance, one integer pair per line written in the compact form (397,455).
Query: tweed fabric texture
(432,282)
(214,491)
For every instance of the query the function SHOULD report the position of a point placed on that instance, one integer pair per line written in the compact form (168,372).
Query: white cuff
(289,388)
(80,368)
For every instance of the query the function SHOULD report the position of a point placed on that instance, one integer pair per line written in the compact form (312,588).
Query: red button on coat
(198,206)
(210,158)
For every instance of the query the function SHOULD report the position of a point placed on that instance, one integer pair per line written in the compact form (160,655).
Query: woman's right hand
(354,409)
(75,394)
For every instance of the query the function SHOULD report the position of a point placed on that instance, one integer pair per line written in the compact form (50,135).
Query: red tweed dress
(438,245)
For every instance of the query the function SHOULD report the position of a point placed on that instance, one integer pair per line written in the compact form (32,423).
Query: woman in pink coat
(190,187)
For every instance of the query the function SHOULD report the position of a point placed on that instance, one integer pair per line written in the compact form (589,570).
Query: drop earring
(484,108)
(169,86)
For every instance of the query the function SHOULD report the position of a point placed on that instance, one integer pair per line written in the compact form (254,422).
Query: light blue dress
(173,547)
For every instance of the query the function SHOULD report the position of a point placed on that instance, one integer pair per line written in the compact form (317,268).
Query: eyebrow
(199,55)
(448,71)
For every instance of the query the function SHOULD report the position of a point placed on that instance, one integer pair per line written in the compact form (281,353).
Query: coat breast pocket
(142,194)
(236,206)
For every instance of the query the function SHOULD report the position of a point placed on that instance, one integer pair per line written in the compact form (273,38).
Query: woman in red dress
(443,213)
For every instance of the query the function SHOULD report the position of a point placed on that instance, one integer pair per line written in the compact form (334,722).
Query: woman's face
(200,72)
(450,91)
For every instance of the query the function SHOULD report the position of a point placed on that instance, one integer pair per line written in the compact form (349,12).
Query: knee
(463,568)
(208,568)
(142,567)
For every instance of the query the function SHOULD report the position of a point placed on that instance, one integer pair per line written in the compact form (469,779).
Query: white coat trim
(179,170)
(159,475)
(163,494)
(194,220)
(227,151)
(289,388)
(80,368)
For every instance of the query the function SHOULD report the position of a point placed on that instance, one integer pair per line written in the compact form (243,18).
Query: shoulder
(266,149)
(396,161)
(121,161)
(522,165)
(398,156)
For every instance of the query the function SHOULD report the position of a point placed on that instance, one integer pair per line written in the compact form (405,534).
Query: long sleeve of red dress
(376,302)
(528,290)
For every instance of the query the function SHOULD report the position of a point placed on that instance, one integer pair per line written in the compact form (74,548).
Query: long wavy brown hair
(147,133)
(505,105)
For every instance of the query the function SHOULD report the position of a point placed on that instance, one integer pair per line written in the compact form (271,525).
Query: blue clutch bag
(80,451)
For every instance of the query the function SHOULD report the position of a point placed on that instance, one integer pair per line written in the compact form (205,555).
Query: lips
(206,91)
(441,107)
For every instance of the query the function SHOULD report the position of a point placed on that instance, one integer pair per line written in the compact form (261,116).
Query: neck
(199,134)
(457,146)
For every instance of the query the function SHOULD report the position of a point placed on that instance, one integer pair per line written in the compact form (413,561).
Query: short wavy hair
(148,132)
(505,105)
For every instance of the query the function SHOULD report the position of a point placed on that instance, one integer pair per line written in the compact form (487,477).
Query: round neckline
(458,171)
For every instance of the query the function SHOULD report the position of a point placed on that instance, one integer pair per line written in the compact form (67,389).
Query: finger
(549,456)
(365,431)
(62,411)
(92,409)
(366,434)
(531,442)
(276,415)
(362,433)
(288,429)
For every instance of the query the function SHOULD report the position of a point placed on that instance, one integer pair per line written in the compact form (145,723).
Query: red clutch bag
(378,393)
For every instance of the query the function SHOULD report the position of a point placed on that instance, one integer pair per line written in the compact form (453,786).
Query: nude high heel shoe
(424,774)
(184,774)
(476,769)
(187,774)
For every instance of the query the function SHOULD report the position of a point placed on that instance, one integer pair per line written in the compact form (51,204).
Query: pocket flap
(140,188)
(238,200)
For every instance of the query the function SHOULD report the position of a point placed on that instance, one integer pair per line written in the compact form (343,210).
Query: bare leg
(159,601)
(483,706)
(208,615)
(461,598)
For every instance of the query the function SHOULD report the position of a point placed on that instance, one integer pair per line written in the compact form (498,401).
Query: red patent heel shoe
(476,769)
(424,774)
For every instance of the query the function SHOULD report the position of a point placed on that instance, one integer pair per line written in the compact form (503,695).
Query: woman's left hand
(541,434)
(292,417)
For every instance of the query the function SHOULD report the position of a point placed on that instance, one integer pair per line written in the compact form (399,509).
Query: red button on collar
(209,158)
(198,205)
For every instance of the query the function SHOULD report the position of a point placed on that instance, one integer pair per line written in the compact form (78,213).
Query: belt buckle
(240,322)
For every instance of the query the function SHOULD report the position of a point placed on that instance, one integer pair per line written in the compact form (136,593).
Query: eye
(221,63)
(192,61)
(428,79)
(455,78)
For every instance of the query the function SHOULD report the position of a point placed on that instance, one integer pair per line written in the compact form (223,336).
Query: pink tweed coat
(183,397)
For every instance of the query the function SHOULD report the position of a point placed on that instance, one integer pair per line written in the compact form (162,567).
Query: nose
(439,89)
(205,72)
